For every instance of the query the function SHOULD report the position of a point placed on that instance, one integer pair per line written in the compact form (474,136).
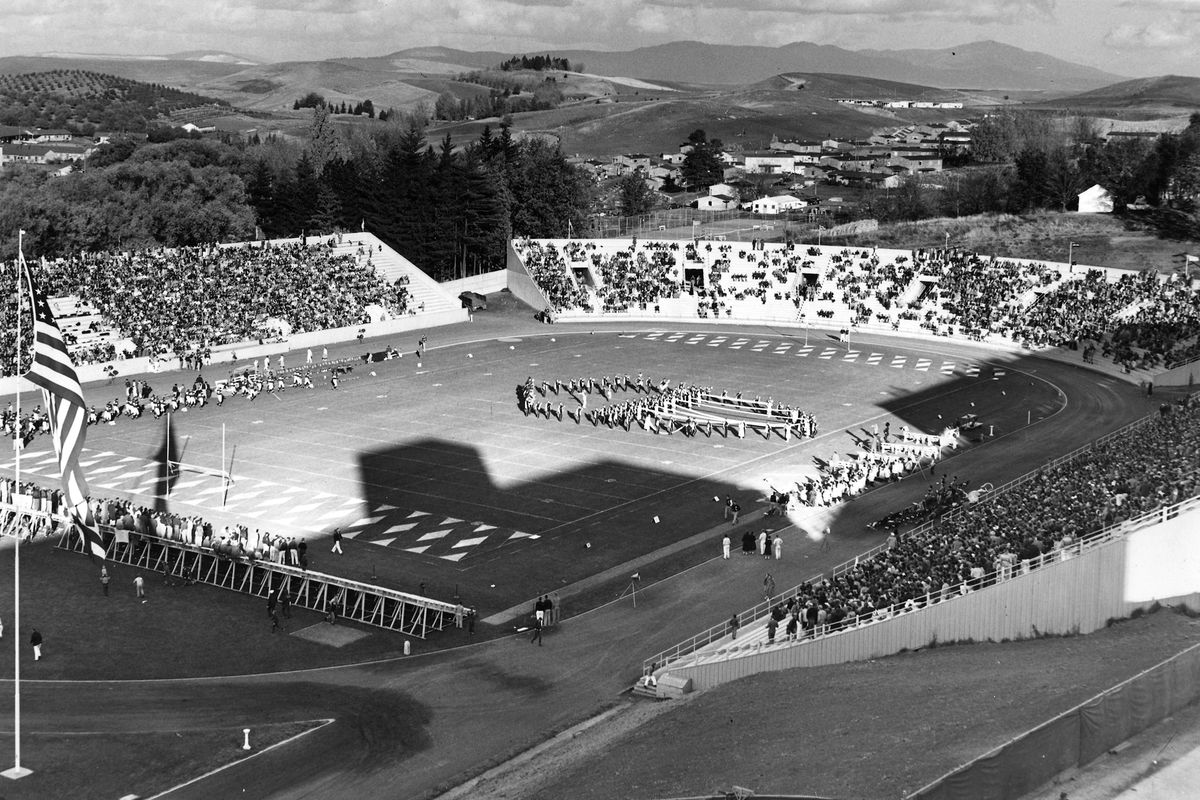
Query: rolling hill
(1173,92)
(985,65)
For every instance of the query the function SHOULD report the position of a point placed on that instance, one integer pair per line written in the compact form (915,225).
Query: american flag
(53,371)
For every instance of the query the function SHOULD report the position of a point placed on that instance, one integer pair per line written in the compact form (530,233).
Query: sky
(1128,37)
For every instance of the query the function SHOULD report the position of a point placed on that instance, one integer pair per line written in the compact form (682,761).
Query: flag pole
(17,771)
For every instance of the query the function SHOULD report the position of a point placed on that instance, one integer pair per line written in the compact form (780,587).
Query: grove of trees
(449,208)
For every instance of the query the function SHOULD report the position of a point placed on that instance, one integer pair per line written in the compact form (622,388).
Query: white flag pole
(17,771)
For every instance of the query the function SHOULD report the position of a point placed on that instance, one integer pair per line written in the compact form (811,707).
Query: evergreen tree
(702,167)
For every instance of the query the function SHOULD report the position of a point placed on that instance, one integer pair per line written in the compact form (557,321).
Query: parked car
(473,301)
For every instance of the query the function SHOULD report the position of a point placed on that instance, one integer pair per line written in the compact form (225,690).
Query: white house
(723,188)
(776,204)
(1096,200)
(717,202)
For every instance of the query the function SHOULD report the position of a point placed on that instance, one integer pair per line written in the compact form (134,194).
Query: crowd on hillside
(1154,465)
(172,302)
(1139,319)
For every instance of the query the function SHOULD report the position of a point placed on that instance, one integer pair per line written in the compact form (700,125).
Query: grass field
(436,456)
(447,489)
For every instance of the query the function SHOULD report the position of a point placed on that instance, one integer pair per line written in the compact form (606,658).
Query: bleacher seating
(169,302)
(1139,319)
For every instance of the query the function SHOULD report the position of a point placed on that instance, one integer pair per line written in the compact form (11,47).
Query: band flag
(53,371)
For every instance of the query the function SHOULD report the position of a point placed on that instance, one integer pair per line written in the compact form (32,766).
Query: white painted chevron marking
(453,557)
(420,549)
(382,542)
(417,514)
(521,535)
(401,528)
(451,521)
(435,535)
(483,528)
(468,542)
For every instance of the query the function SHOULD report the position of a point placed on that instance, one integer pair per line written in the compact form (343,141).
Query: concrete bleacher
(853,288)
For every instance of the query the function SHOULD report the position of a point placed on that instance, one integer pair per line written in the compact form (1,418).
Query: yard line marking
(827,353)
(923,364)
(739,344)
(899,361)
(874,358)
(999,373)
(971,370)
(803,351)
(851,355)
(783,348)
(947,368)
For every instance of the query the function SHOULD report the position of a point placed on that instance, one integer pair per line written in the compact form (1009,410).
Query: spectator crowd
(174,302)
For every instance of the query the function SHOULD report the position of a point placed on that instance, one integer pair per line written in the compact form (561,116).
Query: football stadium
(629,518)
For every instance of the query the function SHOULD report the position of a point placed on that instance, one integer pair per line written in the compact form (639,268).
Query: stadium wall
(523,287)
(1065,597)
(1183,375)
(486,283)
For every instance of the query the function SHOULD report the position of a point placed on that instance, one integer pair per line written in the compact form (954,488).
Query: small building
(1095,200)
(770,163)
(776,204)
(716,202)
(723,188)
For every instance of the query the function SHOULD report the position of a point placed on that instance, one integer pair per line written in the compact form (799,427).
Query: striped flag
(53,371)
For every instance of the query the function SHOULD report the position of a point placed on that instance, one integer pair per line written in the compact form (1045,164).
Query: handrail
(750,615)
(110,534)
(1101,537)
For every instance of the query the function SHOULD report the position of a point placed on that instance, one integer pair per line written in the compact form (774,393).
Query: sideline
(231,764)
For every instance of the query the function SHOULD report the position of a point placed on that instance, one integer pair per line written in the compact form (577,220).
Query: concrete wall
(523,287)
(486,283)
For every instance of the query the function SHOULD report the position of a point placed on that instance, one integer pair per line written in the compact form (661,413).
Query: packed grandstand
(1136,319)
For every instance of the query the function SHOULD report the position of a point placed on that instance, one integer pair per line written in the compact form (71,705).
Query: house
(633,161)
(44,135)
(723,188)
(1096,200)
(674,159)
(776,204)
(795,145)
(913,164)
(717,202)
(41,153)
(770,163)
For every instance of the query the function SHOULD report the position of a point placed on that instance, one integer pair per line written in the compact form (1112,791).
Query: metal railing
(1099,538)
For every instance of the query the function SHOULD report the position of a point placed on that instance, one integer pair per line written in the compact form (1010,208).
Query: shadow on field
(538,534)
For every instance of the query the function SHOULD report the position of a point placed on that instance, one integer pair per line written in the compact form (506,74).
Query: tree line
(540,64)
(449,207)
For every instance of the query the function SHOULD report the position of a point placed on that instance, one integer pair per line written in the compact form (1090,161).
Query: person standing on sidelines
(537,631)
(725,547)
(35,639)
(337,541)
(777,546)
(763,546)
(139,588)
(826,537)
(104,580)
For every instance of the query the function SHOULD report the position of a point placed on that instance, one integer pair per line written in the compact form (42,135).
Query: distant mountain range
(978,65)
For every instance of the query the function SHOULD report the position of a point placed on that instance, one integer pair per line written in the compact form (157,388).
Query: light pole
(804,319)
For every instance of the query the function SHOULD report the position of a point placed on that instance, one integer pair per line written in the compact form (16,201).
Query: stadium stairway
(426,295)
